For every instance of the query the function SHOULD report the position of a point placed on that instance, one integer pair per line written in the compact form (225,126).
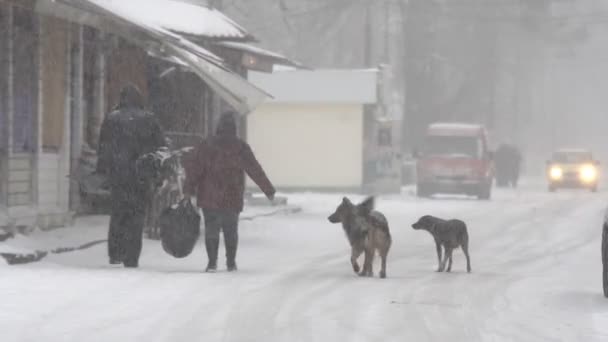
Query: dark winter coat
(215,173)
(508,160)
(126,134)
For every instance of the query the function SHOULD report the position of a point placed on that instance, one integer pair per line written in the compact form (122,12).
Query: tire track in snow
(515,228)
(265,303)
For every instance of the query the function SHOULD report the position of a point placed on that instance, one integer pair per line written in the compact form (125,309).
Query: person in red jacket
(215,175)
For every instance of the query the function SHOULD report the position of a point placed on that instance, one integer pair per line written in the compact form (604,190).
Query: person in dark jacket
(128,133)
(508,163)
(216,176)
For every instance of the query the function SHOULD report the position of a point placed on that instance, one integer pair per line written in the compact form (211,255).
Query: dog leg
(368,263)
(355,253)
(438,246)
(450,263)
(465,249)
(446,256)
(448,259)
(383,256)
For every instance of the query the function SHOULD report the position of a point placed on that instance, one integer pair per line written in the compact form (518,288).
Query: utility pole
(367,45)
(406,130)
(387,31)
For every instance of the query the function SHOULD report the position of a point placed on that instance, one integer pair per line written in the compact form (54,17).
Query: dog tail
(380,222)
(464,234)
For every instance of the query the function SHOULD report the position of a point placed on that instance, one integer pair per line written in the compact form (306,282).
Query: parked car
(572,168)
(455,159)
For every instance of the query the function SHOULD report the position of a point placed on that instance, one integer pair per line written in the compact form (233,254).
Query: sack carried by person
(179,228)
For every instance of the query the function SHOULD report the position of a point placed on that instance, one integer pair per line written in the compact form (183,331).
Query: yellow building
(320,130)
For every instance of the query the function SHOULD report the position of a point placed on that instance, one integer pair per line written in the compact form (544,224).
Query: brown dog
(367,231)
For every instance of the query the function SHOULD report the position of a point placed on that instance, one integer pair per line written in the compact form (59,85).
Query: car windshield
(572,157)
(452,146)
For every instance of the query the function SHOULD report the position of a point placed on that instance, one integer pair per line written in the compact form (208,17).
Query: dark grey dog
(450,235)
(367,231)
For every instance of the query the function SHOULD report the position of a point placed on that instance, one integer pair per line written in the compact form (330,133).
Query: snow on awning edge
(256,50)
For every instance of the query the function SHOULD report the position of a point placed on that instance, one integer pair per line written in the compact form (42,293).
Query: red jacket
(215,173)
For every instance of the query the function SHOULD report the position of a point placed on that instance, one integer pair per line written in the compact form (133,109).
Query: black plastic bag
(180,228)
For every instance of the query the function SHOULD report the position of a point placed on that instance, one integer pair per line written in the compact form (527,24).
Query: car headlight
(556,173)
(588,173)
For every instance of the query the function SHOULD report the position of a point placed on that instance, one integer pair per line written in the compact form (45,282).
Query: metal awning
(159,41)
(274,57)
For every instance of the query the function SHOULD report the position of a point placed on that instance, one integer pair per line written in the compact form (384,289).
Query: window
(453,146)
(25,80)
(572,157)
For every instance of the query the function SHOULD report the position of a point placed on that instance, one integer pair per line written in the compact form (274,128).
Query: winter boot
(212,247)
(131,264)
(115,261)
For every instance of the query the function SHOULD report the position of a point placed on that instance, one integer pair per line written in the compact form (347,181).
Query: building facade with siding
(62,64)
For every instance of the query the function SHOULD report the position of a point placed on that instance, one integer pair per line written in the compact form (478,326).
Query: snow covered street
(536,276)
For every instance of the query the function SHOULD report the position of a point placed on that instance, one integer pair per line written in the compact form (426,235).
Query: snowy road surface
(536,277)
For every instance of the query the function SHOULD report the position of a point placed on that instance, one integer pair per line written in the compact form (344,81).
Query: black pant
(126,225)
(226,221)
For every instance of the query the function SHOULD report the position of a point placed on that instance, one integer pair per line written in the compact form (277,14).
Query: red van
(455,159)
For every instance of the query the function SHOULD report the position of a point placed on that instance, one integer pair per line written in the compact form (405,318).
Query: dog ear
(367,206)
(347,202)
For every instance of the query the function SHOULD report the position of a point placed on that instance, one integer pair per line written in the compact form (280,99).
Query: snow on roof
(452,128)
(155,38)
(178,17)
(319,86)
(279,67)
(455,125)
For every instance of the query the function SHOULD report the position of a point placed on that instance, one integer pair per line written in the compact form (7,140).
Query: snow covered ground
(536,277)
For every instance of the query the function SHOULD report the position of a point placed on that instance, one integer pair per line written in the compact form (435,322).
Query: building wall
(53,151)
(19,180)
(126,64)
(4,106)
(36,182)
(309,146)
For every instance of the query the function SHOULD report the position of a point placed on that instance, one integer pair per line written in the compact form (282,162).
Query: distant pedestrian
(216,177)
(127,133)
(508,164)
